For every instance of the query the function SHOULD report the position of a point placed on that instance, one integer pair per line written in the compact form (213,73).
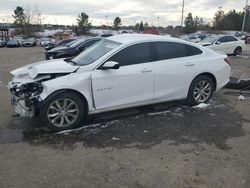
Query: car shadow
(141,127)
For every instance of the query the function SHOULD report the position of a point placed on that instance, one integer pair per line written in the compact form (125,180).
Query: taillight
(228,61)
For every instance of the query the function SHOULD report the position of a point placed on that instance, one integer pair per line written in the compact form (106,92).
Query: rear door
(232,43)
(129,85)
(175,69)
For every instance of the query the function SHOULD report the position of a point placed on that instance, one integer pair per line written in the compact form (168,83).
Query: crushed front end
(27,86)
(25,97)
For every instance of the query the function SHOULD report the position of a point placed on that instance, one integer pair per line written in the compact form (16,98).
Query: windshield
(96,51)
(70,43)
(209,39)
(13,41)
(76,43)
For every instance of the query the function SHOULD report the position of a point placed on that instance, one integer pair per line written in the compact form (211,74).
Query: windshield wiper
(73,62)
(69,60)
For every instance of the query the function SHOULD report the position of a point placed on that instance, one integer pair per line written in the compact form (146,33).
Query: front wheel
(63,111)
(200,90)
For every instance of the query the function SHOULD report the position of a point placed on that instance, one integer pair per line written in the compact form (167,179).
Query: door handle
(189,64)
(146,70)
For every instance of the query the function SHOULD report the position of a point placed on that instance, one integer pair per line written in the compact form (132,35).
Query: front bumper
(49,56)
(21,108)
(27,44)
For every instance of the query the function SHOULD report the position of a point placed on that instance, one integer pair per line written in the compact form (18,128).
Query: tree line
(29,20)
(232,20)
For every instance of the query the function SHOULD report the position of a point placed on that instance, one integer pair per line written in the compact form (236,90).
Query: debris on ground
(239,80)
(201,105)
(241,98)
(66,132)
(115,139)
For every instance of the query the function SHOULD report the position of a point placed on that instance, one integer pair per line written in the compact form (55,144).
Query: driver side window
(222,39)
(135,54)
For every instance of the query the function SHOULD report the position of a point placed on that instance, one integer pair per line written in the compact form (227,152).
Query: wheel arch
(60,91)
(211,76)
(238,47)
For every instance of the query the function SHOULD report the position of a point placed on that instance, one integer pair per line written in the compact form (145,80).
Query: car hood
(44,68)
(205,43)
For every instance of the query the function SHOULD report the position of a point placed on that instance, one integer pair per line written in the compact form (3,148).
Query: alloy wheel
(202,91)
(63,112)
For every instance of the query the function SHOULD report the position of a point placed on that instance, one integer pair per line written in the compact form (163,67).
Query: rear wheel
(201,90)
(63,111)
(237,51)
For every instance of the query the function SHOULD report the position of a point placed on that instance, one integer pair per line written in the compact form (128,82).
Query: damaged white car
(117,72)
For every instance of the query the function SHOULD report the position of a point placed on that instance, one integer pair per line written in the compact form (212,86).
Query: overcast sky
(130,11)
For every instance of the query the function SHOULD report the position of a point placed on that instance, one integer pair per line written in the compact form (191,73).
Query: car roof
(131,38)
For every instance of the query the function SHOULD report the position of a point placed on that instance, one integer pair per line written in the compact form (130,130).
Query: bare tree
(34,15)
(34,19)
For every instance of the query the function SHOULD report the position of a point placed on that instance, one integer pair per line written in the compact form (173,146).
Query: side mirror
(218,42)
(110,65)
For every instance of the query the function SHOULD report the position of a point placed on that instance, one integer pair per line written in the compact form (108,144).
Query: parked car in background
(20,39)
(14,43)
(201,36)
(3,43)
(107,35)
(240,35)
(224,43)
(247,39)
(59,43)
(72,50)
(118,72)
(46,41)
(29,42)
(194,39)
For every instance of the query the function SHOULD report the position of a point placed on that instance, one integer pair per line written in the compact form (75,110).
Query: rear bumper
(223,77)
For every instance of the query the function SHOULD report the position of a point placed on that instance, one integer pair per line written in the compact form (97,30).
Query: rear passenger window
(135,54)
(231,39)
(169,50)
(191,50)
(222,39)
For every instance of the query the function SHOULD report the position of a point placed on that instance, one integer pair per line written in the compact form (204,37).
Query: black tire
(191,98)
(237,51)
(68,96)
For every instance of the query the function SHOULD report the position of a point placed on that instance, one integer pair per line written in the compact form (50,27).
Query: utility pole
(158,19)
(245,15)
(182,14)
(106,20)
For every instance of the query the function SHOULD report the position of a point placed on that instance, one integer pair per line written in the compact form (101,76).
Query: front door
(130,85)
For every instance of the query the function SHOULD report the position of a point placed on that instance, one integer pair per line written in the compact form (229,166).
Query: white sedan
(224,43)
(192,39)
(118,72)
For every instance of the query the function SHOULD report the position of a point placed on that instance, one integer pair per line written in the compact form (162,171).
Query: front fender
(80,82)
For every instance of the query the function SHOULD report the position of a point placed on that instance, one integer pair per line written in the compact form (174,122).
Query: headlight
(27,90)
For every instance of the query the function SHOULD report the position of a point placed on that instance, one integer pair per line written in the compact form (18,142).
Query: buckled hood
(44,68)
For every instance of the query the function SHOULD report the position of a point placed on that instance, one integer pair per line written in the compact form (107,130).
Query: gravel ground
(167,145)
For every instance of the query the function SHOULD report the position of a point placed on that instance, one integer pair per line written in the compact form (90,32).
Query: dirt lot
(168,145)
